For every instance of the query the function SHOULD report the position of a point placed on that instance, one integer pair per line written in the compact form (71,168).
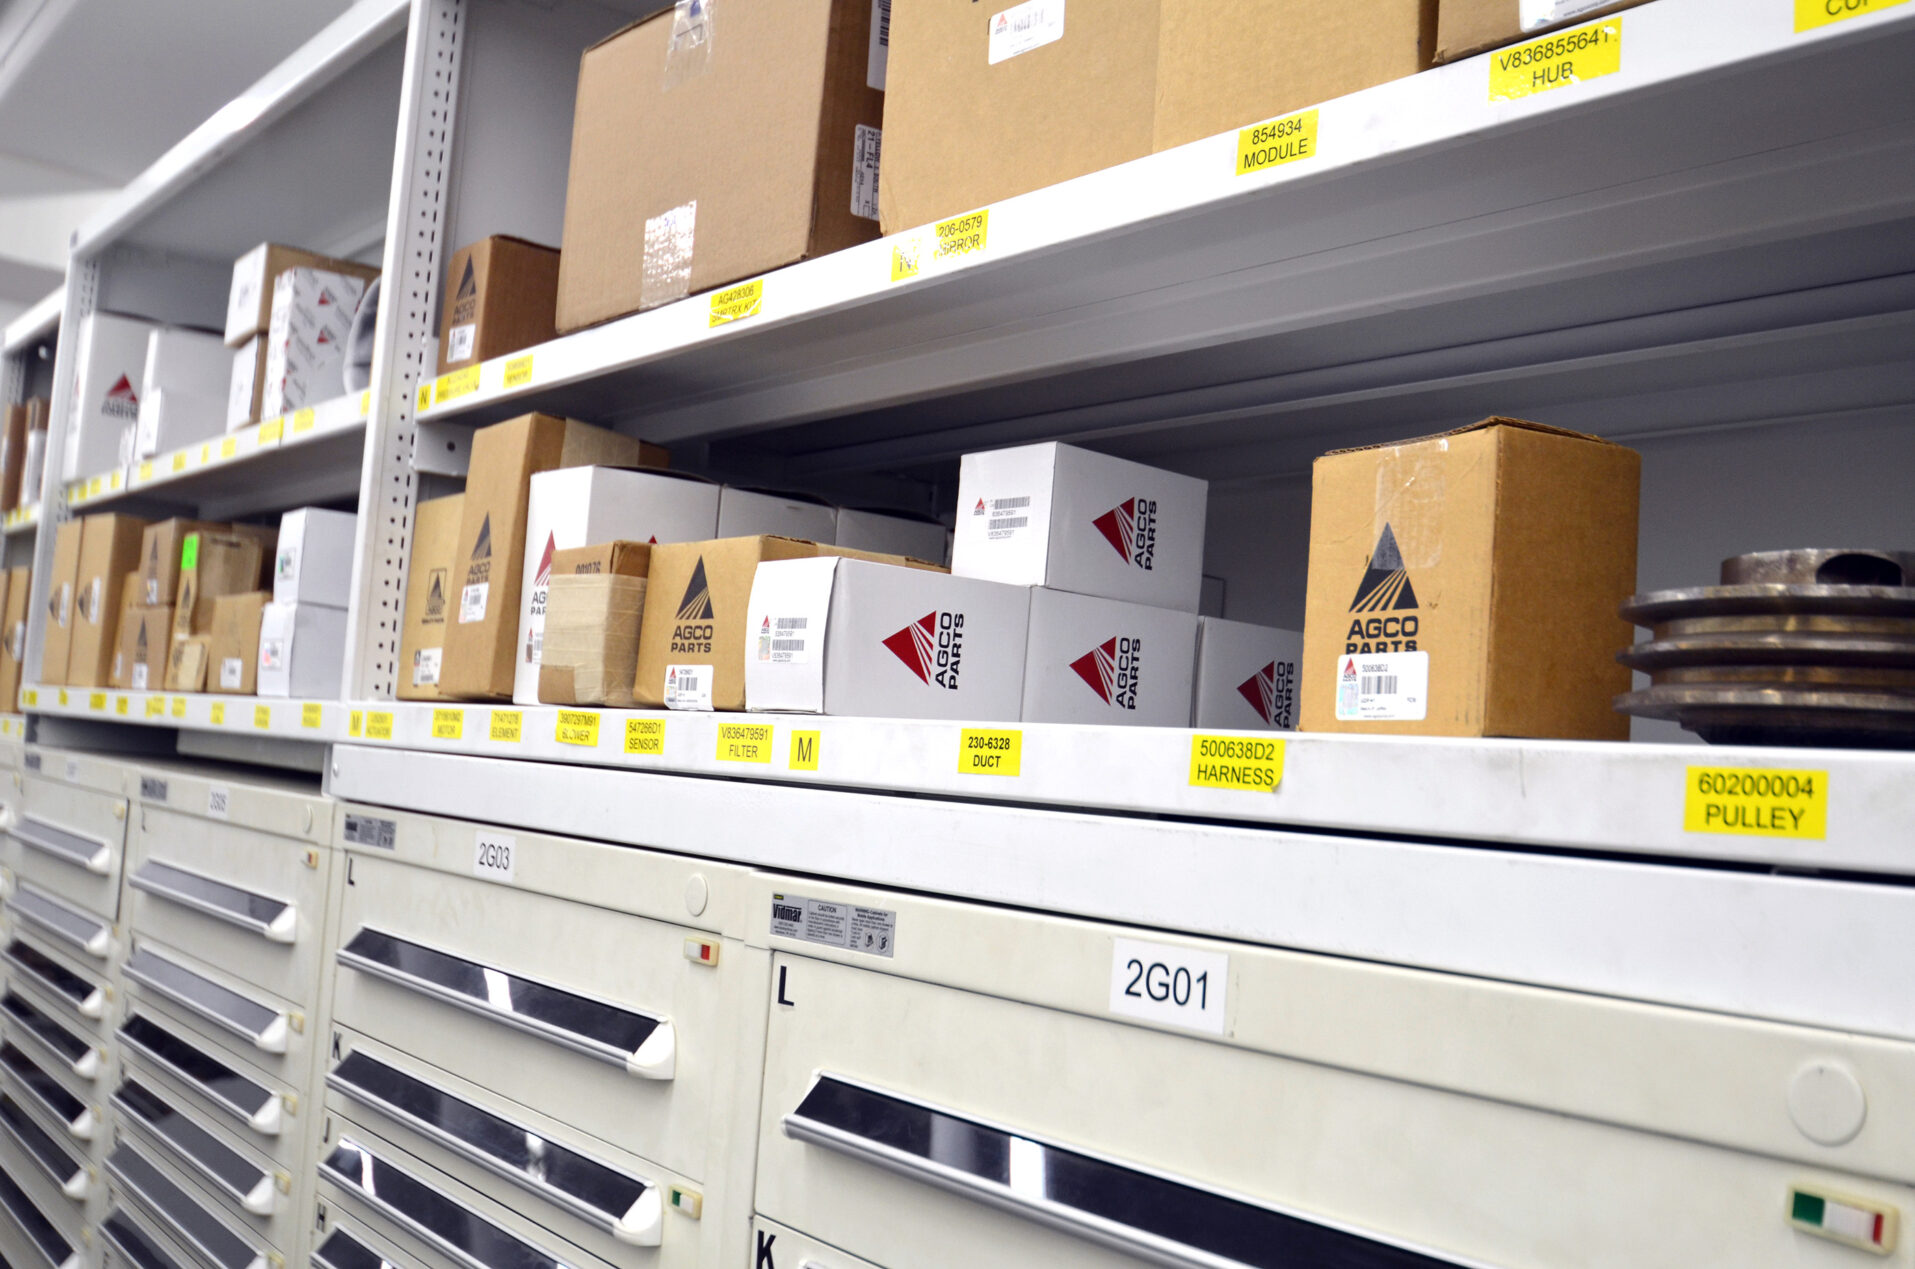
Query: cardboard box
(1072,519)
(186,663)
(160,548)
(13,635)
(249,301)
(1246,676)
(246,384)
(435,542)
(110,358)
(1464,27)
(655,209)
(109,550)
(302,651)
(33,475)
(893,533)
(480,646)
(230,561)
(191,361)
(313,564)
(1467,585)
(127,625)
(58,638)
(596,599)
(146,641)
(1108,662)
(844,636)
(501,295)
(306,342)
(232,653)
(13,456)
(577,506)
(750,513)
(1044,99)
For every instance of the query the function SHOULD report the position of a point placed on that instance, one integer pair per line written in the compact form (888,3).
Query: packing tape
(688,50)
(667,267)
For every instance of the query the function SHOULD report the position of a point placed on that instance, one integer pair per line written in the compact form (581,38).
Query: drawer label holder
(873,931)
(1162,983)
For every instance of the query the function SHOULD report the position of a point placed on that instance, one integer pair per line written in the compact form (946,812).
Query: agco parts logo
(1385,588)
(1272,692)
(1111,670)
(1131,529)
(121,402)
(693,632)
(931,647)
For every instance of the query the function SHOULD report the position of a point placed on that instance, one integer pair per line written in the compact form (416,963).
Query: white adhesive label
(425,666)
(1180,986)
(1383,687)
(785,640)
(1536,14)
(232,672)
(459,341)
(272,654)
(873,931)
(864,172)
(472,603)
(688,687)
(879,59)
(1023,27)
(65,614)
(287,570)
(93,610)
(152,592)
(219,801)
(494,856)
(1003,518)
(140,677)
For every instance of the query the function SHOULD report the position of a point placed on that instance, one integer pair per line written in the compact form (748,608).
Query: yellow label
(1278,142)
(507,726)
(576,727)
(219,713)
(116,480)
(645,736)
(156,707)
(378,724)
(737,303)
(448,724)
(961,235)
(93,487)
(63,696)
(96,701)
(518,371)
(804,750)
(263,717)
(425,397)
(271,430)
(457,384)
(1556,61)
(745,742)
(1810,14)
(312,715)
(365,407)
(146,471)
(986,752)
(1750,802)
(356,723)
(303,421)
(907,258)
(122,705)
(179,707)
(1253,764)
(229,447)
(32,696)
(179,462)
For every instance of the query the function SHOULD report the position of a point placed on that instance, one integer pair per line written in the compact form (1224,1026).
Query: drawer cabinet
(68,841)
(33,1231)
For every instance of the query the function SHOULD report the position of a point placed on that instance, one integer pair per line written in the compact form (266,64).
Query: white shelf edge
(36,323)
(320,721)
(22,519)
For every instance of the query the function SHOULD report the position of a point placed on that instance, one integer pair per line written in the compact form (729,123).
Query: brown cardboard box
(60,615)
(1490,562)
(160,550)
(1118,82)
(590,649)
(691,641)
(148,641)
(736,155)
(232,653)
(13,636)
(186,664)
(13,456)
(501,296)
(481,641)
(232,561)
(249,302)
(125,629)
(1465,27)
(109,549)
(429,591)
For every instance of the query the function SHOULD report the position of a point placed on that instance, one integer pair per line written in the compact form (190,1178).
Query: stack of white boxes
(180,391)
(288,316)
(106,396)
(302,633)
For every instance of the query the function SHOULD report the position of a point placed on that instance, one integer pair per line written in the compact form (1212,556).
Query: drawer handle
(269,918)
(89,853)
(87,1000)
(94,937)
(342,1251)
(219,1163)
(78,1117)
(40,1231)
(258,1108)
(645,1046)
(81,1058)
(189,1222)
(59,1166)
(445,1223)
(262,1026)
(134,1243)
(1147,1214)
(630,1209)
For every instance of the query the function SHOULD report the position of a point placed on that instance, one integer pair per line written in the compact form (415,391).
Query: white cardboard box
(1070,519)
(173,418)
(1107,662)
(314,562)
(1246,676)
(842,636)
(245,383)
(306,343)
(584,506)
(892,534)
(106,396)
(193,361)
(749,513)
(302,651)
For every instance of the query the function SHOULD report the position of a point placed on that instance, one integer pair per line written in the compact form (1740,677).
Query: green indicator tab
(189,554)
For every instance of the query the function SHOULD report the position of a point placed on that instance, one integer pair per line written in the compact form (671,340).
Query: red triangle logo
(912,645)
(545,563)
(1098,667)
(1260,689)
(1118,525)
(122,391)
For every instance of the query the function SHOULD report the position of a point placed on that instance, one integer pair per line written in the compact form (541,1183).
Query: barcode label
(1009,522)
(787,645)
(218,802)
(1383,687)
(370,830)
(1379,684)
(865,155)
(791,623)
(1010,504)
(688,687)
(878,60)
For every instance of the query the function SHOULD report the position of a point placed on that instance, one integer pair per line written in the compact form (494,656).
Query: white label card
(459,341)
(1541,13)
(879,59)
(1178,986)
(472,603)
(141,677)
(425,666)
(232,672)
(864,172)
(688,687)
(1023,27)
(494,856)
(785,640)
(288,563)
(218,801)
(1383,687)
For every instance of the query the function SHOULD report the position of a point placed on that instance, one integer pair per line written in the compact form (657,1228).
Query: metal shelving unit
(26,366)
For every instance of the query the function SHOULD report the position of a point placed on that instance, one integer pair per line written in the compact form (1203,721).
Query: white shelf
(194,711)
(37,324)
(1444,255)
(23,519)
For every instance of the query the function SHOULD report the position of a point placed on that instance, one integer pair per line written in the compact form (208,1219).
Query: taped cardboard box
(13,456)
(231,561)
(482,640)
(57,639)
(786,96)
(160,548)
(501,295)
(13,635)
(1108,662)
(594,604)
(232,654)
(1246,676)
(1466,27)
(186,663)
(249,300)
(109,550)
(435,541)
(1467,584)
(152,646)
(128,628)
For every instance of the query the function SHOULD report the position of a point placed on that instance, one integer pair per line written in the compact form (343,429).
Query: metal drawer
(130,1241)
(775,1246)
(167,1202)
(225,1013)
(48,1096)
(70,842)
(49,1038)
(216,1081)
(31,1148)
(237,1185)
(35,1230)
(57,982)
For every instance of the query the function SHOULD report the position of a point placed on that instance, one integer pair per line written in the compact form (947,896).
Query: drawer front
(596,1018)
(35,1230)
(57,1175)
(165,1200)
(776,1246)
(231,896)
(27,1021)
(73,1115)
(214,1083)
(242,1189)
(226,1013)
(70,842)
(131,1240)
(63,985)
(56,919)
(922,1125)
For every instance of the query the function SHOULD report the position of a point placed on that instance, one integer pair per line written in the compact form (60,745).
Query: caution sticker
(1746,802)
(1810,14)
(983,751)
(744,742)
(645,737)
(1277,142)
(1556,61)
(738,303)
(576,727)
